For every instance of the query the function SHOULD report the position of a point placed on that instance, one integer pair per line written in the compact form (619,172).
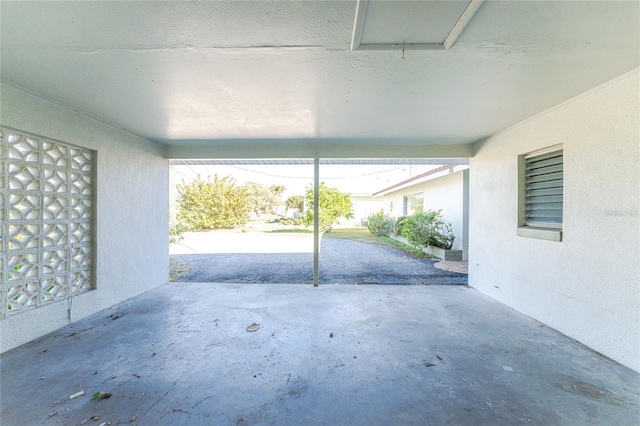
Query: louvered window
(543,190)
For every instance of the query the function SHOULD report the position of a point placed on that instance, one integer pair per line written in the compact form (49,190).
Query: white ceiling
(259,72)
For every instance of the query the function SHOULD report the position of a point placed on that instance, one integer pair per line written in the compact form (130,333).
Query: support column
(316,221)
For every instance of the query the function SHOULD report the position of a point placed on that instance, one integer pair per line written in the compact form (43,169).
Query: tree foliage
(333,205)
(261,199)
(206,204)
(277,190)
(295,202)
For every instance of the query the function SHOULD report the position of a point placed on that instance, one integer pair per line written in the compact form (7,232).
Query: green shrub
(428,229)
(297,222)
(380,224)
(206,204)
(175,232)
(398,225)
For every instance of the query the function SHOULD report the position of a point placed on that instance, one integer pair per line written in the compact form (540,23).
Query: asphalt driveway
(280,258)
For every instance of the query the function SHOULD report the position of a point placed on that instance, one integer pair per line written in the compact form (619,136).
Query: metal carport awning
(332,161)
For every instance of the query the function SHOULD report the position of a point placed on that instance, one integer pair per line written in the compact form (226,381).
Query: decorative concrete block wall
(46,227)
(118,247)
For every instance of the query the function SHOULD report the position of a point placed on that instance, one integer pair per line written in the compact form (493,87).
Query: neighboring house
(444,188)
(363,206)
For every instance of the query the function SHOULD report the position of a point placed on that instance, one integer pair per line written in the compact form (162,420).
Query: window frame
(405,202)
(546,231)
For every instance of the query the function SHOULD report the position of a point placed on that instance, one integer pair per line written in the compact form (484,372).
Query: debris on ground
(109,378)
(331,335)
(95,418)
(429,364)
(507,368)
(253,327)
(77,394)
(136,375)
(101,395)
(439,357)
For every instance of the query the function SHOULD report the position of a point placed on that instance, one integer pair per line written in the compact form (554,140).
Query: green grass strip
(364,236)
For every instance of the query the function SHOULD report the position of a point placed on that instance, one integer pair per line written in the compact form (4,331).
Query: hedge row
(421,229)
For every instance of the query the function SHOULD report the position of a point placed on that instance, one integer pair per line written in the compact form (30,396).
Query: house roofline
(413,179)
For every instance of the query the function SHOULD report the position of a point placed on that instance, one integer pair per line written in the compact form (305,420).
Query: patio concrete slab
(335,354)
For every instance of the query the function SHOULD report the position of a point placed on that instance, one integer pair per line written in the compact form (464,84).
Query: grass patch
(176,269)
(364,236)
(290,231)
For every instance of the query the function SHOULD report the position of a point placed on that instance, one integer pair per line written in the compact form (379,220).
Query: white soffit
(278,79)
(410,25)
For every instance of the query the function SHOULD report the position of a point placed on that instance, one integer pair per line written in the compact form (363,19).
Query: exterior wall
(363,206)
(131,211)
(447,193)
(586,286)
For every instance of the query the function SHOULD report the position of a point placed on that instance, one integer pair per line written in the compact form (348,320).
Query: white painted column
(316,221)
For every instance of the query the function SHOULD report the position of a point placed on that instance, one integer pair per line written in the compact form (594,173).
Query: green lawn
(290,231)
(363,235)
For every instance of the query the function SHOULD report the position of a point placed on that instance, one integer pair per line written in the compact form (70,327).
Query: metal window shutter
(544,190)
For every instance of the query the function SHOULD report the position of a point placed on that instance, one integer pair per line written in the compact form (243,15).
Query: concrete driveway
(287,258)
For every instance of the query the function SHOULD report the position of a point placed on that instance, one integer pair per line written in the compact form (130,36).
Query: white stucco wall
(363,206)
(588,285)
(446,193)
(132,212)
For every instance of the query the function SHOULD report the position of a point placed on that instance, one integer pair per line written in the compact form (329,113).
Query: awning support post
(316,221)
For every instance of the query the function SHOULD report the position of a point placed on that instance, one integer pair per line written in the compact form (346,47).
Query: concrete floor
(336,354)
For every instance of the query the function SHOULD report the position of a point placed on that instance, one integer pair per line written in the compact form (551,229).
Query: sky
(354,179)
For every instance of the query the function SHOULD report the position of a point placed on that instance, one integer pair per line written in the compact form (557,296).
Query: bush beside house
(380,224)
(425,230)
